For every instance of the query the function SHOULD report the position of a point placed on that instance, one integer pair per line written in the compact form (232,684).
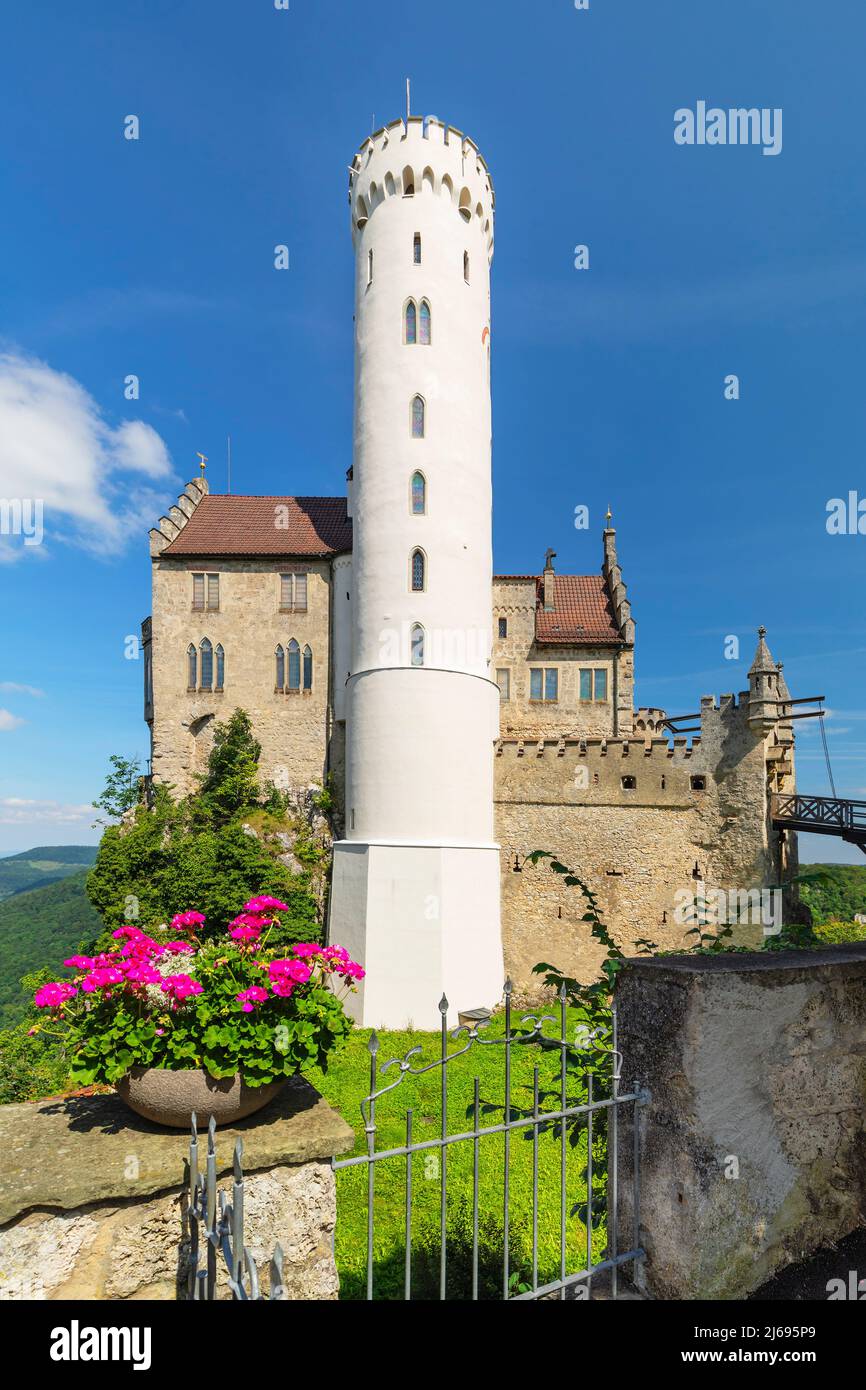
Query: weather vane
(202,461)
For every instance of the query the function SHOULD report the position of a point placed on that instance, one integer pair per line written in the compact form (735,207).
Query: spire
(763,661)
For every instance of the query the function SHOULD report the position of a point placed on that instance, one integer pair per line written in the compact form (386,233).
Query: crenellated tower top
(422,156)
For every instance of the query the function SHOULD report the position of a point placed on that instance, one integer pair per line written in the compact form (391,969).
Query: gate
(585,1098)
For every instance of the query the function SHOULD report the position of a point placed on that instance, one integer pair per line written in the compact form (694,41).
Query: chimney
(549,582)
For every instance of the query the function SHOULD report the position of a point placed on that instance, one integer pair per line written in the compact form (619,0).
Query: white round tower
(416,881)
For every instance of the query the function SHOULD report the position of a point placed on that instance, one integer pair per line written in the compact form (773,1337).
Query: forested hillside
(33,868)
(838,893)
(38,928)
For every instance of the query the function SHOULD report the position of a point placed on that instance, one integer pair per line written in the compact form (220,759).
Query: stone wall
(754,1142)
(292,726)
(641,821)
(93,1200)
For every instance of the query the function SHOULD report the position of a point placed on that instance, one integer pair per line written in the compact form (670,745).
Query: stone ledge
(748,962)
(75,1151)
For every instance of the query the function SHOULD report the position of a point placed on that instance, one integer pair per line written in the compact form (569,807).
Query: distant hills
(45,915)
(33,868)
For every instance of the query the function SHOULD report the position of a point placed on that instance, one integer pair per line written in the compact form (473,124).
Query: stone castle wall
(291,727)
(636,845)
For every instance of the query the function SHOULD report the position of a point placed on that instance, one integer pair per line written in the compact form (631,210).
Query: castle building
(461,719)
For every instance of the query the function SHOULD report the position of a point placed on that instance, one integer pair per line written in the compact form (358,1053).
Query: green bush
(839,933)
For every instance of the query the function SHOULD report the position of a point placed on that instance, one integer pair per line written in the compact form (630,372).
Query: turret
(763,688)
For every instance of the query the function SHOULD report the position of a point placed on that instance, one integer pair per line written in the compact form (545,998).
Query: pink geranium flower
(80,962)
(248,998)
(54,994)
(187,920)
(180,987)
(293,970)
(265,904)
(102,978)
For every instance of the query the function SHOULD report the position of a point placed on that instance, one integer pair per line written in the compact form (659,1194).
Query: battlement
(417,158)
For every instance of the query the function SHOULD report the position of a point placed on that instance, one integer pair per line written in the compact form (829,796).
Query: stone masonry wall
(291,727)
(754,1142)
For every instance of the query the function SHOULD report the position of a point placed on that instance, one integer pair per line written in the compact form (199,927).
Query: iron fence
(598,1106)
(211,1215)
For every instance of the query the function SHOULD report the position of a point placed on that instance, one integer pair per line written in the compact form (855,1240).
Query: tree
(121,791)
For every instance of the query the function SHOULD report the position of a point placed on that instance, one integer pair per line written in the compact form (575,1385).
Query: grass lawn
(346,1084)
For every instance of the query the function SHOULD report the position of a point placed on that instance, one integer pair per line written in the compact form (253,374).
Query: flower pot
(170,1097)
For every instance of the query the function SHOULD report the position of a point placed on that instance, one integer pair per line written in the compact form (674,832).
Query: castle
(461,719)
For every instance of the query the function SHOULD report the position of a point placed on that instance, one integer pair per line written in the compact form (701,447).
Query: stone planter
(170,1097)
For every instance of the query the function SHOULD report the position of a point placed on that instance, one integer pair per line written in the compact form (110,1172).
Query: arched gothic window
(280,674)
(418,418)
(417,651)
(418,571)
(424,336)
(419,494)
(206,651)
(192,667)
(410,326)
(220,668)
(308,669)
(408,182)
(294,665)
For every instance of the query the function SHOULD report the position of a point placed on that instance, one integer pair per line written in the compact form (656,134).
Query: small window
(586,685)
(300,603)
(466,266)
(503,627)
(192,667)
(213,591)
(536,688)
(601,685)
(198,591)
(417,418)
(416,249)
(206,651)
(308,669)
(369,267)
(280,673)
(698,784)
(544,684)
(293,593)
(220,668)
(287,590)
(629,784)
(410,333)
(551,684)
(419,494)
(424,336)
(417,645)
(418,571)
(294,665)
(503,680)
(408,183)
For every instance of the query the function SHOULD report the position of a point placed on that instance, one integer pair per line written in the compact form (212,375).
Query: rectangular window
(198,591)
(586,685)
(601,685)
(503,627)
(416,249)
(551,684)
(213,591)
(503,680)
(544,683)
(293,593)
(369,267)
(536,690)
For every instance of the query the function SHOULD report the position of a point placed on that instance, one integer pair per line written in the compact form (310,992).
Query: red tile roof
(583,612)
(235,525)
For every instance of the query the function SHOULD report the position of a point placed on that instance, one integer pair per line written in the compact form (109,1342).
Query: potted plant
(179,1021)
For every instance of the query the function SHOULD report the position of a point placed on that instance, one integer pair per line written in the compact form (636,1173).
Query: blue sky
(155,257)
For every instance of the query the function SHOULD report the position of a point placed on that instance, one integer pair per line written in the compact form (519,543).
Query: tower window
(416,249)
(369,267)
(280,673)
(206,651)
(418,418)
(308,669)
(425,323)
(629,784)
(418,571)
(408,183)
(503,680)
(503,627)
(220,668)
(419,494)
(465,266)
(417,647)
(410,325)
(192,667)
(294,665)
(698,784)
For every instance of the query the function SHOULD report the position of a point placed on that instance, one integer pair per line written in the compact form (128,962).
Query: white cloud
(13,688)
(9,721)
(57,446)
(17,810)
